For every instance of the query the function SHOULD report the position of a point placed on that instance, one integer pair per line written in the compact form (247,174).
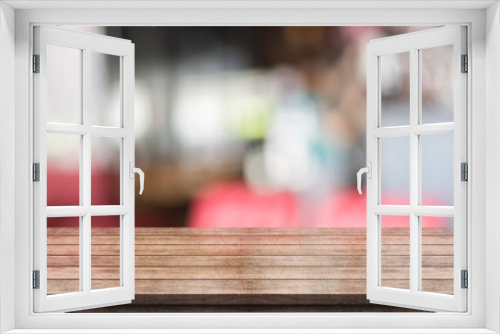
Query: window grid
(415,210)
(86,210)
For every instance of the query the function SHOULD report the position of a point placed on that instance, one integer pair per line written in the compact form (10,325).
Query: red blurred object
(237,205)
(345,208)
(63,222)
(63,190)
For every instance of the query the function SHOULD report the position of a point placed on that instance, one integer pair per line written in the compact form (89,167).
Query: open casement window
(83,147)
(417,241)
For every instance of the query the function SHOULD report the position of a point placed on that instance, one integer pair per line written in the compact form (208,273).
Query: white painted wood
(406,210)
(259,331)
(96,210)
(432,129)
(86,298)
(413,43)
(86,186)
(110,132)
(7,165)
(415,167)
(471,322)
(127,225)
(248,4)
(460,155)
(492,277)
(100,131)
(421,129)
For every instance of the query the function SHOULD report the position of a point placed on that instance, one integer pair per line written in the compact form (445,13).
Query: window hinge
(36,172)
(464,279)
(464,171)
(36,63)
(36,279)
(465,64)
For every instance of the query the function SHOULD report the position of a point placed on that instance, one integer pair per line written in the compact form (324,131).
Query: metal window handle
(368,171)
(133,170)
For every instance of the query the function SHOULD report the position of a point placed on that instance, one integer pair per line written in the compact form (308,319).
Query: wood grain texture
(179,231)
(243,262)
(249,250)
(248,273)
(248,240)
(236,287)
(253,261)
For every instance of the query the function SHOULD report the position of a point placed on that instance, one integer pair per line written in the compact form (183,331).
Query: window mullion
(433,129)
(414,170)
(85,167)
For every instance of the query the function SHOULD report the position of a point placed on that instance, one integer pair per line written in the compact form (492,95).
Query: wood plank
(74,261)
(256,250)
(279,273)
(249,261)
(283,250)
(248,240)
(220,273)
(429,250)
(166,287)
(244,273)
(333,287)
(310,287)
(438,286)
(225,286)
(73,250)
(215,261)
(270,240)
(62,286)
(177,231)
(215,287)
(427,261)
(444,286)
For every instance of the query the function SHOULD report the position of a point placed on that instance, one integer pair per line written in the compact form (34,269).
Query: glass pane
(395,89)
(395,170)
(64,84)
(63,169)
(105,103)
(395,251)
(105,268)
(437,254)
(437,169)
(63,255)
(437,84)
(106,171)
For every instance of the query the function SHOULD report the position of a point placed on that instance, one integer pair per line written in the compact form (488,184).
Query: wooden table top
(242,261)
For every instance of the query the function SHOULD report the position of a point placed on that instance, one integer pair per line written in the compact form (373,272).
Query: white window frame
(85,298)
(16,216)
(412,44)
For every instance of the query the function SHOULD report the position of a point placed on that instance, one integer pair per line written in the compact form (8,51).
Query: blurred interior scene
(250,139)
(253,127)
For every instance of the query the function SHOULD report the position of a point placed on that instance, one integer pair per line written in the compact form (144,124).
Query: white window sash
(412,43)
(86,298)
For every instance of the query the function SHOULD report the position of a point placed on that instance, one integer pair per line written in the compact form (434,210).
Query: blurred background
(256,127)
